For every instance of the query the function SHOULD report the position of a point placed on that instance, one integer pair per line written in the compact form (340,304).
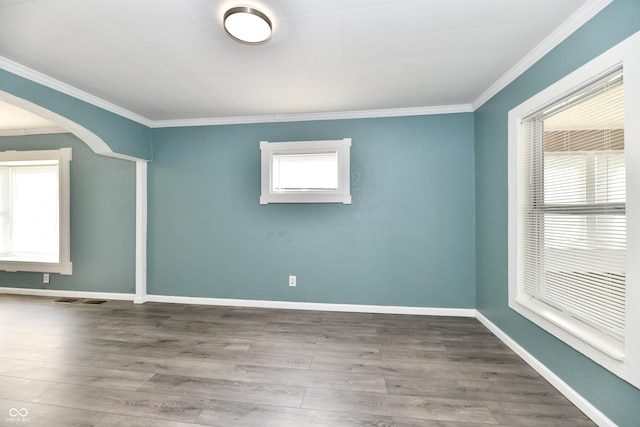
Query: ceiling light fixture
(247,25)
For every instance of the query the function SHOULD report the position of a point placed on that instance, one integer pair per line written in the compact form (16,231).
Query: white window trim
(64,266)
(341,195)
(622,360)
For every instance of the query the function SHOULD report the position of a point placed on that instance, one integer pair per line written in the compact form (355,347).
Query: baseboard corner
(576,398)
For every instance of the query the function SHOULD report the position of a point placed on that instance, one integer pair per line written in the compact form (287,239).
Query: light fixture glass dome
(247,25)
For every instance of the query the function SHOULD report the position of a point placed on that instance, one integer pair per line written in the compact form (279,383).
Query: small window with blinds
(573,212)
(306,172)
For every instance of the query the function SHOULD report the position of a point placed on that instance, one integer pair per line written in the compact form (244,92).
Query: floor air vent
(66,300)
(72,300)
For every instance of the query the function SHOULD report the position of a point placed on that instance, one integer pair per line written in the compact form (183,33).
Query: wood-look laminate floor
(171,365)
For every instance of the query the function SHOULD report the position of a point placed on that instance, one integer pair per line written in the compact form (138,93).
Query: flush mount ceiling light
(247,25)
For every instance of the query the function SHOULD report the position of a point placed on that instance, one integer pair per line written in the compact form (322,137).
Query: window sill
(578,335)
(37,267)
(305,198)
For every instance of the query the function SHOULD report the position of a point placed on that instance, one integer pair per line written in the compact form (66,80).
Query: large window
(34,211)
(573,152)
(306,172)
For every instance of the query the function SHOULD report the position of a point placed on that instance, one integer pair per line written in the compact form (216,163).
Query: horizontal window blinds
(573,209)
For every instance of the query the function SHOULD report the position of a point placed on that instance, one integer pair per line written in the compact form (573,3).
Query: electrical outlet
(292,280)
(45,278)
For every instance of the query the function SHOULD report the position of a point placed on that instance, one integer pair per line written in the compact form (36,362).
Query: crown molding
(38,77)
(568,27)
(303,117)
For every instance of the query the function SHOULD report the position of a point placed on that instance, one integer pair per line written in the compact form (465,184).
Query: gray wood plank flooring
(175,365)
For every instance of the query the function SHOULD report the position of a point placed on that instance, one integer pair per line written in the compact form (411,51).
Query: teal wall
(407,239)
(122,135)
(616,398)
(102,219)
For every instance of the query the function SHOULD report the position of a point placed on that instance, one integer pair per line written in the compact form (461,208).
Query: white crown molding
(38,77)
(568,27)
(303,117)
(581,403)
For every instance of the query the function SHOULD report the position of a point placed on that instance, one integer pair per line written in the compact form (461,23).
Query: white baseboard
(584,405)
(290,305)
(67,294)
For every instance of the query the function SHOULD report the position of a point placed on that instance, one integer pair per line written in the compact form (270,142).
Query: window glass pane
(610,178)
(30,229)
(305,172)
(585,231)
(610,231)
(5,209)
(565,178)
(565,231)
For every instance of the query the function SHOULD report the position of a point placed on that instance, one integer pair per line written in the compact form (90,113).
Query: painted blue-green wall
(407,239)
(102,219)
(616,398)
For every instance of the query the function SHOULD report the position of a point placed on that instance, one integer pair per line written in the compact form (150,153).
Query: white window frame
(621,359)
(64,265)
(340,195)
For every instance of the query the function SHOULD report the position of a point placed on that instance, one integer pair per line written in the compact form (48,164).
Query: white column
(141,232)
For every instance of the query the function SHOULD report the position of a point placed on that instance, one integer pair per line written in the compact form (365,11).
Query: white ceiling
(170,60)
(17,121)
